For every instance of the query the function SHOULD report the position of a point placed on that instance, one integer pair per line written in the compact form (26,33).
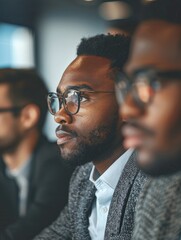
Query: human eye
(83,98)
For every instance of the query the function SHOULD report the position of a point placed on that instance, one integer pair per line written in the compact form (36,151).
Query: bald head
(156,43)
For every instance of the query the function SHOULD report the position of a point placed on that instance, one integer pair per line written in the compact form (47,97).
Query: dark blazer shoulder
(46,150)
(46,157)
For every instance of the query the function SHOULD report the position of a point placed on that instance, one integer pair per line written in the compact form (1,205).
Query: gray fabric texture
(73,221)
(158,212)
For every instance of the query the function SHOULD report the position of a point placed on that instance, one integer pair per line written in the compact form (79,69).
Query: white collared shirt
(105,185)
(21,176)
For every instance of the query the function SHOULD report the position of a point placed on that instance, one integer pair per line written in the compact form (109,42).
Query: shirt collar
(22,171)
(115,170)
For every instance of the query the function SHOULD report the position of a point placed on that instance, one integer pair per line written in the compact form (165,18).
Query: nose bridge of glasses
(62,116)
(61,108)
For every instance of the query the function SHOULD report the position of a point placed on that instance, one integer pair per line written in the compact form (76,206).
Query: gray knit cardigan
(73,221)
(158,212)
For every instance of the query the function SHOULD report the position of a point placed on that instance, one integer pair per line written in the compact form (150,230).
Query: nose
(129,109)
(62,117)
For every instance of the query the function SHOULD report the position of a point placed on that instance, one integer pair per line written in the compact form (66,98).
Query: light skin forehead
(92,70)
(156,43)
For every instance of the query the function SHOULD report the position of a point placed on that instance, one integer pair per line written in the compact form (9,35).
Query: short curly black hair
(113,47)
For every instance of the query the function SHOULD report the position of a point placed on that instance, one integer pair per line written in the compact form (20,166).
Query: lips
(63,136)
(133,137)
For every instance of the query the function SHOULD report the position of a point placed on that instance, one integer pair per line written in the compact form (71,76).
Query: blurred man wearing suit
(153,112)
(33,182)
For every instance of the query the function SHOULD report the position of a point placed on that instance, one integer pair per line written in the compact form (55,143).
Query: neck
(103,165)
(23,151)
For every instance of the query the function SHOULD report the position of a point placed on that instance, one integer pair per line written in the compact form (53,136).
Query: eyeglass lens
(142,92)
(70,101)
(140,89)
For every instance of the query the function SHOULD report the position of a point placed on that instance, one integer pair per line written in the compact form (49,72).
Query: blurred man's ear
(30,116)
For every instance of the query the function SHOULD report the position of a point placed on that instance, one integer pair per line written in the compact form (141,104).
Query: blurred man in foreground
(33,183)
(152,108)
(104,190)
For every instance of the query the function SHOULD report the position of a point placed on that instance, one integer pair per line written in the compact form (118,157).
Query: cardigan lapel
(84,209)
(120,198)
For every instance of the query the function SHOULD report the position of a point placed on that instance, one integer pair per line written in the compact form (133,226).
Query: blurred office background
(44,33)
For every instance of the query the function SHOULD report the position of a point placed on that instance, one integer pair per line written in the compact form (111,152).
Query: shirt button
(104,209)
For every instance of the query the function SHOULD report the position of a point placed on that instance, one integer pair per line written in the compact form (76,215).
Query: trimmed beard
(100,145)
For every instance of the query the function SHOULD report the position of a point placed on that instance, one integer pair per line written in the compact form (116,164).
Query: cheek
(5,124)
(8,128)
(88,121)
(95,116)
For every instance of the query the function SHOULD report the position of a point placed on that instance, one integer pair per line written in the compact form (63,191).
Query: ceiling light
(148,1)
(86,2)
(115,10)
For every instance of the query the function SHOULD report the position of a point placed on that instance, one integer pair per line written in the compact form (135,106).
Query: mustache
(66,129)
(140,127)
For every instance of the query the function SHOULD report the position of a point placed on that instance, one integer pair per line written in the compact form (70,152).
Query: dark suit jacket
(48,191)
(73,221)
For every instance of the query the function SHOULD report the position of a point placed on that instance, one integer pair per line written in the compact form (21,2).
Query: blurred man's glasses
(70,100)
(14,110)
(143,84)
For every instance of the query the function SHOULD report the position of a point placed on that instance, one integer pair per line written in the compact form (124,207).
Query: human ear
(30,115)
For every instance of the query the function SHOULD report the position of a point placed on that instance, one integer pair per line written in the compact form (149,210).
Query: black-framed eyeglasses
(14,110)
(143,84)
(71,100)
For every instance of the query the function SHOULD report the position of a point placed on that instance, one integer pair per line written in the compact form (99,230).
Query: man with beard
(153,110)
(33,182)
(104,189)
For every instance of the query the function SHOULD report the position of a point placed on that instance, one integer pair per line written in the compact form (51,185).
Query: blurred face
(10,130)
(154,127)
(93,132)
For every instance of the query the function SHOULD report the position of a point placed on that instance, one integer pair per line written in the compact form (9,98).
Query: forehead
(88,70)
(157,44)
